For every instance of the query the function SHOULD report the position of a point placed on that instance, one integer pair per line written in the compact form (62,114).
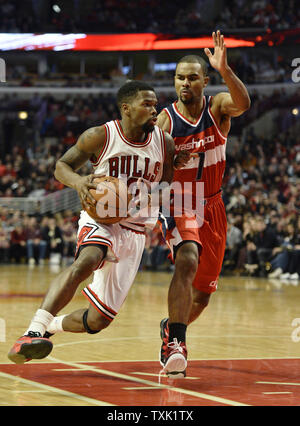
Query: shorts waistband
(213,198)
(134,228)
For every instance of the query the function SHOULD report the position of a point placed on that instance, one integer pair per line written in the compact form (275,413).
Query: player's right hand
(181,159)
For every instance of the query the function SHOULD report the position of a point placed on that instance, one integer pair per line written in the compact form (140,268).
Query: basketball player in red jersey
(135,147)
(199,125)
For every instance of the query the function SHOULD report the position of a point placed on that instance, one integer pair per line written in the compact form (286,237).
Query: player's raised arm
(90,142)
(237,100)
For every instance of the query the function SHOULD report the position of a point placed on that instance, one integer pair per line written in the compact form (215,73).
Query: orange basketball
(112,200)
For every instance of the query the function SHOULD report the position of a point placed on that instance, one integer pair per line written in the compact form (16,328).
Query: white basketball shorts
(115,275)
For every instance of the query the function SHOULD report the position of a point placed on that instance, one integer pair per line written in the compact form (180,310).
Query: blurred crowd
(273,14)
(261,68)
(261,189)
(38,239)
(30,147)
(119,16)
(35,238)
(261,192)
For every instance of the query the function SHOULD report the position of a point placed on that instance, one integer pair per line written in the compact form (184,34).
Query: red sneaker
(176,360)
(31,346)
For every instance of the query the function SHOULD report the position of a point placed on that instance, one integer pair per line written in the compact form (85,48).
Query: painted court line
(198,336)
(162,375)
(55,390)
(275,393)
(150,383)
(279,383)
(142,388)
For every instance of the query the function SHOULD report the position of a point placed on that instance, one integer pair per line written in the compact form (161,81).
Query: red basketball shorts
(210,237)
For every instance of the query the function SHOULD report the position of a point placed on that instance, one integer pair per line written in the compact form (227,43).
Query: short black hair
(130,89)
(195,59)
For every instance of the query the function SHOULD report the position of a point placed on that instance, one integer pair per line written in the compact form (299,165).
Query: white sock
(56,324)
(40,322)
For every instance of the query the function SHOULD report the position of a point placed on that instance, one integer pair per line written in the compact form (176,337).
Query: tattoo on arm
(91,139)
(89,143)
(75,158)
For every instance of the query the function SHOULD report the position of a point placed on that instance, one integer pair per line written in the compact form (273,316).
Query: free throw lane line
(149,383)
(55,390)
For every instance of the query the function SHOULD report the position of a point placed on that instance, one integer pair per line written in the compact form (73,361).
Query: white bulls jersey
(123,157)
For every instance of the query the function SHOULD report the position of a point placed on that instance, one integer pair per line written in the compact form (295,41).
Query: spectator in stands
(158,249)
(69,140)
(18,243)
(68,231)
(2,169)
(4,244)
(53,236)
(233,243)
(289,267)
(247,235)
(146,261)
(36,246)
(260,246)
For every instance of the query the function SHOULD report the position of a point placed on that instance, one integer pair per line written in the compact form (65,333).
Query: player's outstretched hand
(218,59)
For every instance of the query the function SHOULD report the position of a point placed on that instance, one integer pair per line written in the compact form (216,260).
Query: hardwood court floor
(244,349)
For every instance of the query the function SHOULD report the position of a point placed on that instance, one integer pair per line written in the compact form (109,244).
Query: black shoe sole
(177,374)
(37,349)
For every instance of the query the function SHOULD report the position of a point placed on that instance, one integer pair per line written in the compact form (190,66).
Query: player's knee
(187,260)
(85,264)
(200,298)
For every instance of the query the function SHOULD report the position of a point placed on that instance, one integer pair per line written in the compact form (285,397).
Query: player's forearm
(66,175)
(237,89)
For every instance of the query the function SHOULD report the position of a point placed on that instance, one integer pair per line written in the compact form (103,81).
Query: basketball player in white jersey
(134,147)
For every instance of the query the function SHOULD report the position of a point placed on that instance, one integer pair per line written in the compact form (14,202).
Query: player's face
(189,82)
(143,110)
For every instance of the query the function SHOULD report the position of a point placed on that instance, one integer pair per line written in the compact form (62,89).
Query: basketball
(112,200)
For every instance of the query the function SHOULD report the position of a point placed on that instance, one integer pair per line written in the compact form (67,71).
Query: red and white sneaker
(176,360)
(31,346)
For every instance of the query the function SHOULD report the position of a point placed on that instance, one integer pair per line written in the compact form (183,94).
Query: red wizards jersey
(204,138)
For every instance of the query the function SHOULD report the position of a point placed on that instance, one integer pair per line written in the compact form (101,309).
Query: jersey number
(201,164)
